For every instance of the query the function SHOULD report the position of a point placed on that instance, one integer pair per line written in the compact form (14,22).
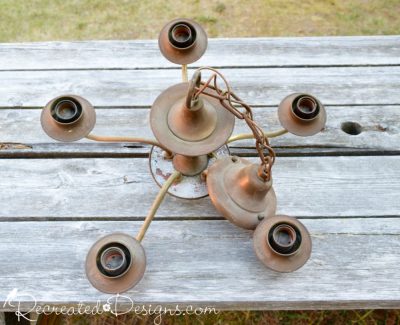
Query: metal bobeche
(192,122)
(68,118)
(133,266)
(282,243)
(302,114)
(182,41)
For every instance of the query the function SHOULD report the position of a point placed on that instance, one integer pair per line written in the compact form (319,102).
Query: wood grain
(243,52)
(53,207)
(353,265)
(380,130)
(123,188)
(261,86)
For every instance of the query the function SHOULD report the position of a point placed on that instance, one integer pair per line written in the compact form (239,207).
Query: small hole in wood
(352,128)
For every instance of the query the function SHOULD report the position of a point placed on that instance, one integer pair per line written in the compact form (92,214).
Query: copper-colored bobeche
(68,118)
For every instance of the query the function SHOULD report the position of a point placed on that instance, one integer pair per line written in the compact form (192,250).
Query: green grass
(365,317)
(49,20)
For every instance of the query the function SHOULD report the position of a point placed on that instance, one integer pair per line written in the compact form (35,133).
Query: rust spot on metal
(160,173)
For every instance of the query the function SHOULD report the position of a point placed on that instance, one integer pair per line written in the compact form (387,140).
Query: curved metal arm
(244,136)
(156,204)
(184,73)
(101,138)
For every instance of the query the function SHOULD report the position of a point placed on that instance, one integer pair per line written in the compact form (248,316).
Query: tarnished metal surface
(190,166)
(170,107)
(282,243)
(187,187)
(239,193)
(302,114)
(182,41)
(119,276)
(232,103)
(68,118)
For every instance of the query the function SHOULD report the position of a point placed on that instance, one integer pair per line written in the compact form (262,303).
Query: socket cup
(182,41)
(305,107)
(284,239)
(113,260)
(182,35)
(282,243)
(302,114)
(66,111)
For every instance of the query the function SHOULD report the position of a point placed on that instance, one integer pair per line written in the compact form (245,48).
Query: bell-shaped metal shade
(238,193)
(194,131)
(68,118)
(302,114)
(182,41)
(282,243)
(115,263)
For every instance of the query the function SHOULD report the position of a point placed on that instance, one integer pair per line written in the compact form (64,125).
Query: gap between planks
(169,219)
(192,68)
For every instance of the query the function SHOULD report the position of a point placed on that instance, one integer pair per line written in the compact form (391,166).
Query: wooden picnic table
(57,198)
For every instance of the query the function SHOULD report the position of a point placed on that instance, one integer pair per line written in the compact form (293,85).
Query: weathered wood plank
(380,131)
(333,86)
(244,52)
(353,265)
(123,188)
(129,150)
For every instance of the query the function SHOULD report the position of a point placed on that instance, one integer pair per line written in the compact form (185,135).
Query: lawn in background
(51,20)
(334,317)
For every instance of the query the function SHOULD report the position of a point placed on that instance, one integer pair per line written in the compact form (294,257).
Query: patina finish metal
(115,263)
(302,114)
(239,193)
(190,166)
(68,118)
(182,41)
(187,187)
(193,131)
(282,243)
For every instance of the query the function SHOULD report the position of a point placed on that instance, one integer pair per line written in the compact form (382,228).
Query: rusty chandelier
(192,122)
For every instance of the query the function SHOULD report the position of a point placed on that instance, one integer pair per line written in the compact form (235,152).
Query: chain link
(228,100)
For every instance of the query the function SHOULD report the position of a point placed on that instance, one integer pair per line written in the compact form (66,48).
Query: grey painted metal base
(188,187)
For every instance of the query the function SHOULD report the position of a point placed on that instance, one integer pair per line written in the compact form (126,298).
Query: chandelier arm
(184,73)
(101,138)
(156,204)
(244,136)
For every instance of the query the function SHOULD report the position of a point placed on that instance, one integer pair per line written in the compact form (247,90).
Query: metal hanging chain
(228,99)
